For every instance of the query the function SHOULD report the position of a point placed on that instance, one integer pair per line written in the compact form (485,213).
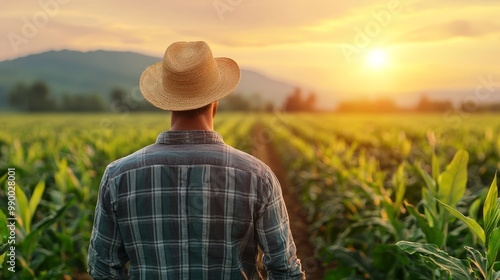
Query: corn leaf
(430,209)
(428,196)
(471,223)
(61,175)
(48,221)
(435,170)
(474,208)
(3,248)
(476,258)
(17,155)
(3,178)
(491,210)
(456,268)
(493,248)
(4,231)
(36,196)
(399,181)
(23,209)
(429,182)
(3,251)
(30,243)
(453,181)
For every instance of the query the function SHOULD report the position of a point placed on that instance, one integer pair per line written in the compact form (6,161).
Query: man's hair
(193,113)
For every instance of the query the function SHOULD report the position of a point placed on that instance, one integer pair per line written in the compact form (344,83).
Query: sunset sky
(363,48)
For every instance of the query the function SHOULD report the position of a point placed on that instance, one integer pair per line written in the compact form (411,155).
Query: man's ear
(215,105)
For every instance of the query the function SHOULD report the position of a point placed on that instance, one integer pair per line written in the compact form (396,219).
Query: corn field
(386,197)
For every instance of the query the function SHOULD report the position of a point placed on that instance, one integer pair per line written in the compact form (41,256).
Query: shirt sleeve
(106,255)
(275,237)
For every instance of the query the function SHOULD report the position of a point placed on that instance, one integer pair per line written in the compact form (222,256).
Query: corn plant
(478,265)
(32,257)
(448,186)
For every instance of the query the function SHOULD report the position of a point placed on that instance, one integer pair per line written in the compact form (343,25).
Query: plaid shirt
(190,207)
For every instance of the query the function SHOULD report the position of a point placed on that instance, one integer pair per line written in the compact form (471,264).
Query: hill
(75,72)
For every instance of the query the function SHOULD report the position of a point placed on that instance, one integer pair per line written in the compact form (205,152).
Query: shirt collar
(189,137)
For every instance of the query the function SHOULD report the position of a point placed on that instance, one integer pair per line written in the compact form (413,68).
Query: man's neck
(201,122)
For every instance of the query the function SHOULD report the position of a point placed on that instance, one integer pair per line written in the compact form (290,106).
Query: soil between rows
(264,150)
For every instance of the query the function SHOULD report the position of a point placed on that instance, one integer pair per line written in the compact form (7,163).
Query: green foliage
(471,223)
(491,211)
(453,180)
(362,196)
(363,181)
(355,260)
(457,269)
(433,234)
(4,233)
(448,186)
(483,266)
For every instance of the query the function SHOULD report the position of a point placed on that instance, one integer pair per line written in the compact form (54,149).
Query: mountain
(75,72)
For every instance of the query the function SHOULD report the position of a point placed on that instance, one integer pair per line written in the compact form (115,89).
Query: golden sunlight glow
(389,44)
(376,59)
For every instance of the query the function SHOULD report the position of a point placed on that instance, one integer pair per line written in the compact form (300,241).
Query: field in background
(360,180)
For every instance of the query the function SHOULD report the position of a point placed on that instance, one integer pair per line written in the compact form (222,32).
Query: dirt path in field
(298,222)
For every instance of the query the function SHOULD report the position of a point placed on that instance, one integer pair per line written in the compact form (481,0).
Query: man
(189,206)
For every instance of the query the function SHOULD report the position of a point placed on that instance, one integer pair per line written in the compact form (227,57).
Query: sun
(376,59)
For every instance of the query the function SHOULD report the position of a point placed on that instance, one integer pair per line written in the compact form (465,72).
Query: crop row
(363,194)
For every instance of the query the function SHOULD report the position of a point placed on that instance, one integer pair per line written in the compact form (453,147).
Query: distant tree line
(33,98)
(424,105)
(37,98)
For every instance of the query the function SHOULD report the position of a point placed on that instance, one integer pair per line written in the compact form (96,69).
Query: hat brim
(152,89)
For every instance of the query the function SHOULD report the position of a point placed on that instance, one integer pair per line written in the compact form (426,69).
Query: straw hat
(188,77)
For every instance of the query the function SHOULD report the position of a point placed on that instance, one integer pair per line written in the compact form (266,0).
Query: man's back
(191,207)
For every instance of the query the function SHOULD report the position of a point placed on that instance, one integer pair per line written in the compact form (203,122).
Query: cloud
(450,30)
(245,23)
